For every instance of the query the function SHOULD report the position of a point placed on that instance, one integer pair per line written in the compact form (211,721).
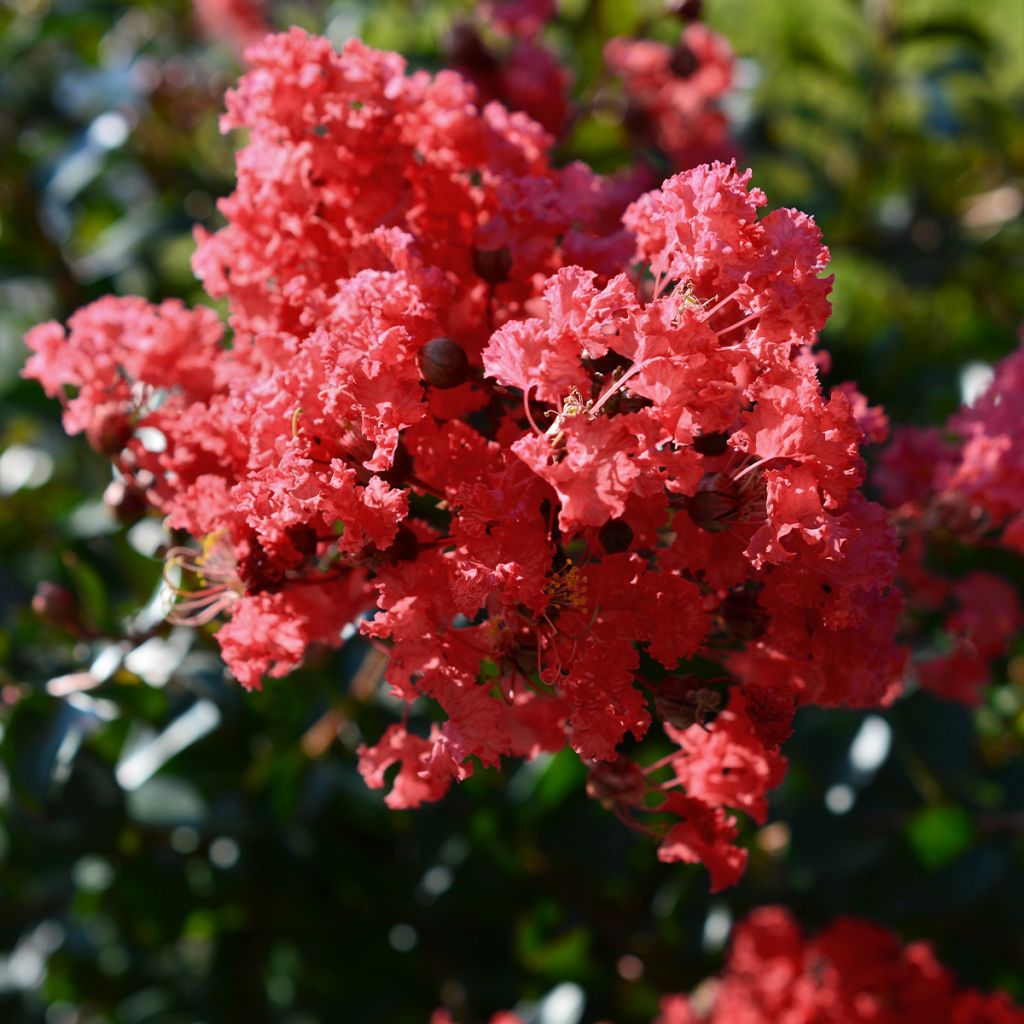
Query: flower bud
(637,121)
(742,616)
(609,363)
(56,606)
(401,467)
(771,711)
(467,50)
(443,364)
(258,571)
(616,535)
(493,265)
(127,504)
(711,509)
(303,538)
(683,62)
(688,10)
(683,701)
(715,443)
(619,781)
(404,548)
(109,432)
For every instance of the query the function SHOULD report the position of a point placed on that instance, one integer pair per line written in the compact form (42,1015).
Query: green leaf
(564,775)
(952,29)
(91,588)
(938,835)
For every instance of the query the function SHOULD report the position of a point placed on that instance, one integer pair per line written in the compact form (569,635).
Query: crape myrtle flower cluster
(673,92)
(234,23)
(667,97)
(961,486)
(502,53)
(852,972)
(574,471)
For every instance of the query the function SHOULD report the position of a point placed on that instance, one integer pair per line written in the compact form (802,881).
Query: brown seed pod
(616,535)
(619,781)
(683,62)
(742,616)
(258,571)
(467,50)
(109,432)
(401,467)
(404,548)
(493,265)
(715,443)
(127,504)
(303,538)
(683,701)
(688,10)
(712,510)
(637,121)
(443,364)
(56,606)
(771,712)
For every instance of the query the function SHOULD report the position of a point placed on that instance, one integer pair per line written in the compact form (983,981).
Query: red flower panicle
(235,23)
(673,92)
(989,473)
(517,68)
(568,498)
(963,485)
(852,972)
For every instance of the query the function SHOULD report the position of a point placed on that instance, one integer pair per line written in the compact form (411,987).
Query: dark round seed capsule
(742,616)
(619,781)
(712,510)
(771,712)
(126,503)
(683,701)
(404,548)
(467,50)
(303,539)
(443,364)
(688,10)
(609,362)
(109,433)
(258,571)
(401,467)
(711,444)
(637,121)
(55,605)
(616,535)
(493,265)
(684,61)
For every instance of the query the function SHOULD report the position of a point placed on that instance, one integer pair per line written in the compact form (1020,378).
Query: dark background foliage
(175,850)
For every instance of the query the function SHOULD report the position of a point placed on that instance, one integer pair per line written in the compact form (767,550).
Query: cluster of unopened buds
(563,453)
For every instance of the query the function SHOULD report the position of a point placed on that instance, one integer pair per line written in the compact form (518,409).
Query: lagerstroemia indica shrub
(559,449)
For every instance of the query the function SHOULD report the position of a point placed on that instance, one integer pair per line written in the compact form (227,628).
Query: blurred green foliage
(174,850)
